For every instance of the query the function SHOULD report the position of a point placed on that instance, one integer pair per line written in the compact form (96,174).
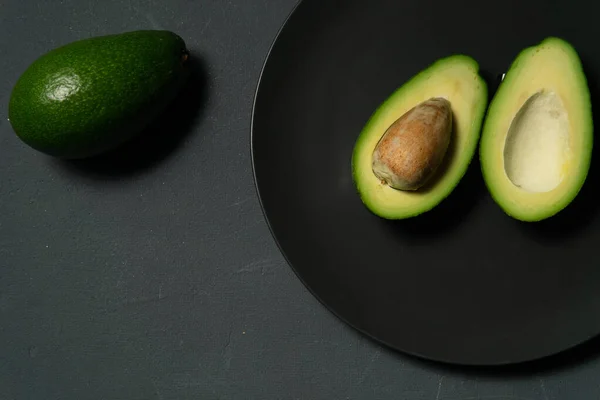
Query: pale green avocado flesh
(455,78)
(536,142)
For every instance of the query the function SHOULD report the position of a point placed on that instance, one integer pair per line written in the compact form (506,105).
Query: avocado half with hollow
(536,143)
(449,93)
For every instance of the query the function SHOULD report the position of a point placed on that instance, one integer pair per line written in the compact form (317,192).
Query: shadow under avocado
(493,81)
(573,219)
(160,139)
(448,214)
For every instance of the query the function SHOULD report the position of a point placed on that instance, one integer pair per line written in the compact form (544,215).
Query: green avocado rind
(89,96)
(493,112)
(436,194)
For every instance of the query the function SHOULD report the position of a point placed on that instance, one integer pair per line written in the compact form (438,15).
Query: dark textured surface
(156,277)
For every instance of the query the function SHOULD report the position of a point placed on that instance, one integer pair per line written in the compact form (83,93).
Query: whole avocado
(92,95)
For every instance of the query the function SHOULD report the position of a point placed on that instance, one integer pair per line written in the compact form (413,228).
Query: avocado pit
(537,144)
(413,147)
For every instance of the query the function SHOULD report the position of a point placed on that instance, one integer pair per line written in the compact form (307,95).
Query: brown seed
(413,147)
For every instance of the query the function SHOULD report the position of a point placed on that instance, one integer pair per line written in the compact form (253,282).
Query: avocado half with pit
(449,93)
(536,143)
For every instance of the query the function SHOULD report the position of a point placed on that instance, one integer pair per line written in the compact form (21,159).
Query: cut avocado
(456,79)
(536,143)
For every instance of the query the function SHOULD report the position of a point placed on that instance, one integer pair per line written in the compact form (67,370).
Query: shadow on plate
(449,214)
(159,140)
(573,219)
(493,81)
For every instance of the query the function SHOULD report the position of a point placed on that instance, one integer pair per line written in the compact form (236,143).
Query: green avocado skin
(92,95)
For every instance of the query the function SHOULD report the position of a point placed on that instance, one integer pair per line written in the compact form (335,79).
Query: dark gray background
(161,280)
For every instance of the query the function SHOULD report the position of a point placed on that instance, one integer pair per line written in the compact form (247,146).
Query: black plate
(463,283)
